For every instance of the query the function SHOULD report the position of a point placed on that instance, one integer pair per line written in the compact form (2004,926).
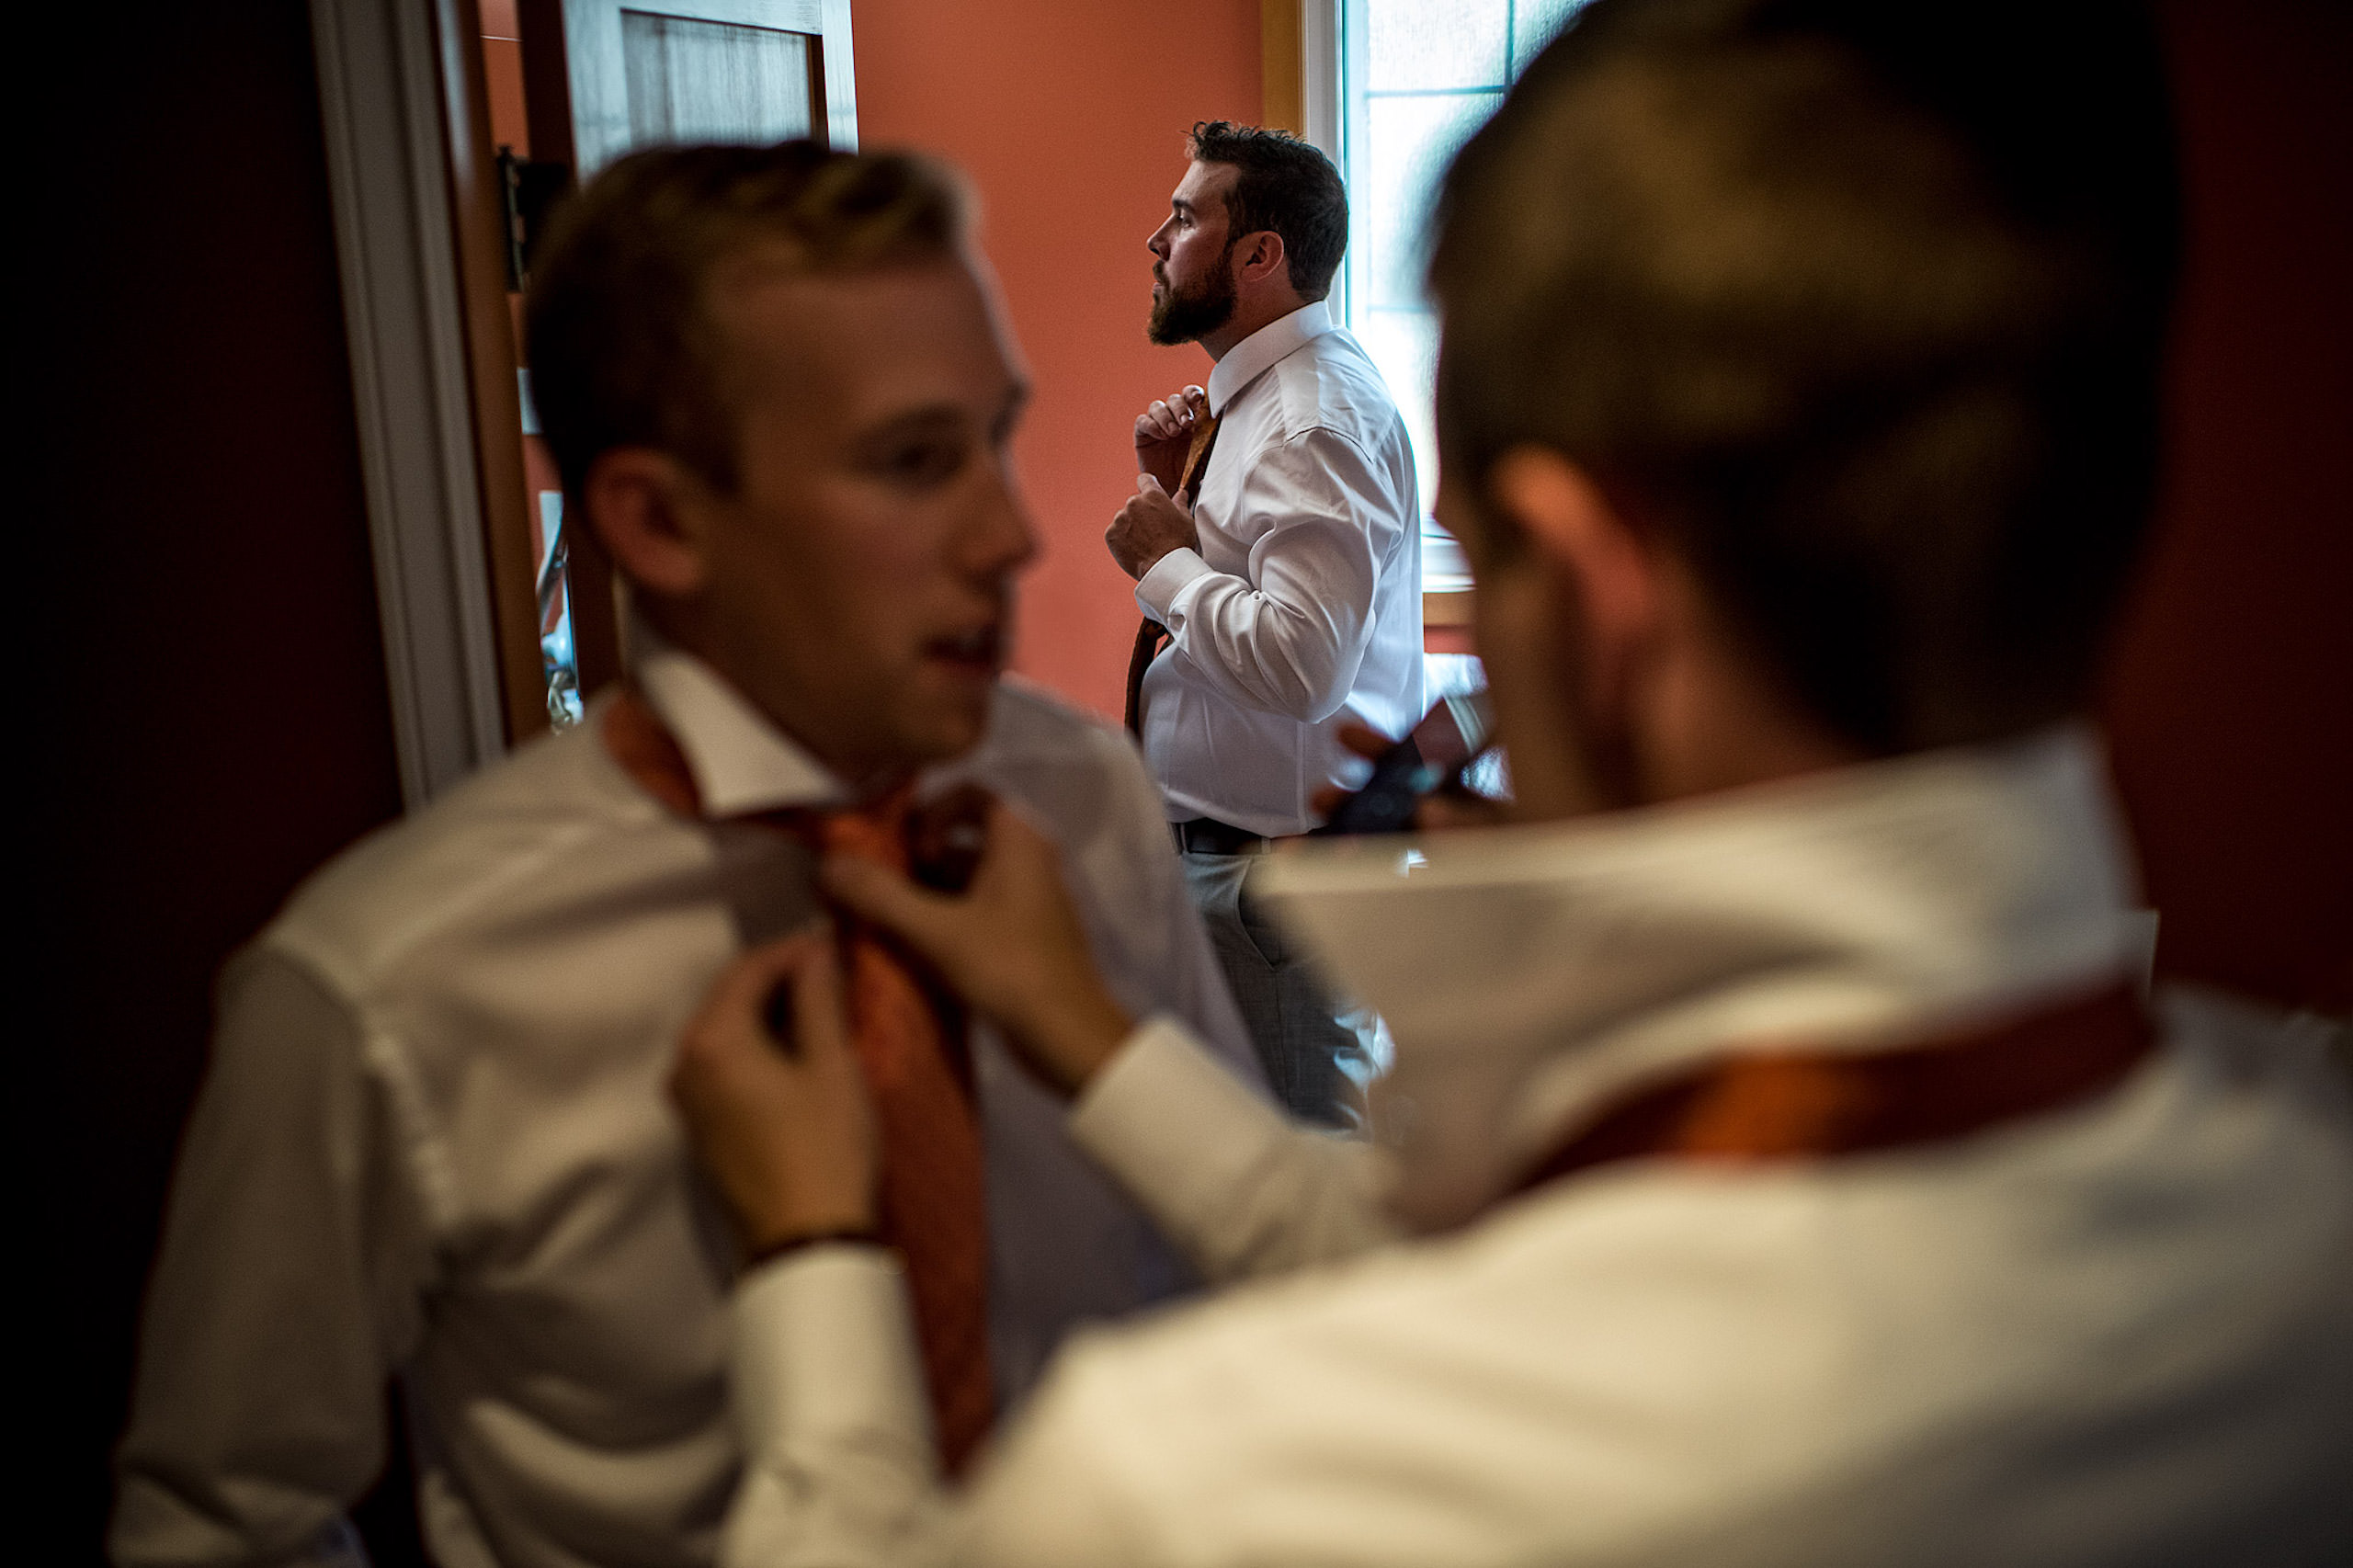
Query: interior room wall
(2230,703)
(1070,117)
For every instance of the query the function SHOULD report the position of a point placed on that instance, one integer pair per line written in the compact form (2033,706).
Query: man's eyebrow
(921,420)
(1182,207)
(934,418)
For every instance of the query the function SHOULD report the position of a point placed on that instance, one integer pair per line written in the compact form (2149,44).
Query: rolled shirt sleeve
(1290,636)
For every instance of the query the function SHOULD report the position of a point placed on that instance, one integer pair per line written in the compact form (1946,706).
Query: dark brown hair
(1286,185)
(1861,303)
(622,348)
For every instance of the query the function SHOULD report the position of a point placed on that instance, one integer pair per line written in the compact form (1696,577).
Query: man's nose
(1001,539)
(1158,244)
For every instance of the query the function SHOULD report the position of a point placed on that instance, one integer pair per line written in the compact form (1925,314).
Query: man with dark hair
(1803,1170)
(1280,185)
(433,1145)
(1274,537)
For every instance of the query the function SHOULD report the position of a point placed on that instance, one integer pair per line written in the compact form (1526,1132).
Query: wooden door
(637,73)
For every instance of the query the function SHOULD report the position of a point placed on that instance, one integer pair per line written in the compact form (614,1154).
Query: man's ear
(1570,523)
(1261,257)
(653,517)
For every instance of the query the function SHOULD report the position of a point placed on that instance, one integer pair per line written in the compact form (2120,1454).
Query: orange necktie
(1151,636)
(911,1039)
(1800,1104)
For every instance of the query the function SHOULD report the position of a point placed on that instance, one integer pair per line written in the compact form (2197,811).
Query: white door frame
(388,160)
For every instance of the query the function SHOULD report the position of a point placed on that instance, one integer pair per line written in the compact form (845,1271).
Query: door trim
(387,145)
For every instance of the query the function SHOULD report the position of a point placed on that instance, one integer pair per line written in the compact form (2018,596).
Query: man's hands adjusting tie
(1173,438)
(1173,442)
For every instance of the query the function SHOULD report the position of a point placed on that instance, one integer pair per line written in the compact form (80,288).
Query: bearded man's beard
(1184,317)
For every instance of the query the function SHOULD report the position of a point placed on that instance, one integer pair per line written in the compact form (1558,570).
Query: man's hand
(1011,946)
(783,1127)
(1152,524)
(1164,434)
(1449,806)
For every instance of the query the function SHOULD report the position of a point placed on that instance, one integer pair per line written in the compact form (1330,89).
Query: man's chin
(1177,320)
(1157,333)
(953,718)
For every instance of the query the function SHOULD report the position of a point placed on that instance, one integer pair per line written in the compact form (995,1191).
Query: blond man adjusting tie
(434,1149)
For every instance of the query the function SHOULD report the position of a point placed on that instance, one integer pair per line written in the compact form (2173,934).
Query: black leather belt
(1207,836)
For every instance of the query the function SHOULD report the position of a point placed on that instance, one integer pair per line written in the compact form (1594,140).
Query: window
(1417,78)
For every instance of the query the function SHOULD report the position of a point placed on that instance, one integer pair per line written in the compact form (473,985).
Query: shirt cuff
(1166,1119)
(1157,589)
(825,1348)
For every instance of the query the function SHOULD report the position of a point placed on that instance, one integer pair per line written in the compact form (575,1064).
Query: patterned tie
(911,1039)
(1151,636)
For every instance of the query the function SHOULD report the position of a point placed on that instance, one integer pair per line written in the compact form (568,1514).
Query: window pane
(1419,44)
(1411,141)
(1420,77)
(696,81)
(1403,343)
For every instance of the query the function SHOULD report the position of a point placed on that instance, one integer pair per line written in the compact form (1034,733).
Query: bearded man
(1274,539)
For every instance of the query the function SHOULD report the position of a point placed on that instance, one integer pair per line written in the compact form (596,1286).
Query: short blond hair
(624,351)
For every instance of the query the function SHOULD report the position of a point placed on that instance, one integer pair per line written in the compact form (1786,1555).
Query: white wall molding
(1318,76)
(379,96)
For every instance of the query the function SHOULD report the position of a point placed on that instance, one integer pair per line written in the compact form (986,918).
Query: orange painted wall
(1070,117)
(2229,704)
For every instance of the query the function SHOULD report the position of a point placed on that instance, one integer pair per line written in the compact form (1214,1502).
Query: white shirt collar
(1257,354)
(741,761)
(1531,975)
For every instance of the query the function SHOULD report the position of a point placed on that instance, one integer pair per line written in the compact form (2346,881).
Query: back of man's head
(623,348)
(1861,306)
(1286,185)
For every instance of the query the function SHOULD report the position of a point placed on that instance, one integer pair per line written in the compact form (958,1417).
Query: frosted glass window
(1408,142)
(696,81)
(1420,48)
(1405,344)
(1418,79)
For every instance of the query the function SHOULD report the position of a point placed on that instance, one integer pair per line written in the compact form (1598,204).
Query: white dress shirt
(1302,607)
(434,1141)
(2114,1334)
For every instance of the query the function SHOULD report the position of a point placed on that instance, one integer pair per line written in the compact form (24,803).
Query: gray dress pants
(1315,1061)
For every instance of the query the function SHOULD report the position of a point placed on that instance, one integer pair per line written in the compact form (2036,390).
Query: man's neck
(861,779)
(1249,318)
